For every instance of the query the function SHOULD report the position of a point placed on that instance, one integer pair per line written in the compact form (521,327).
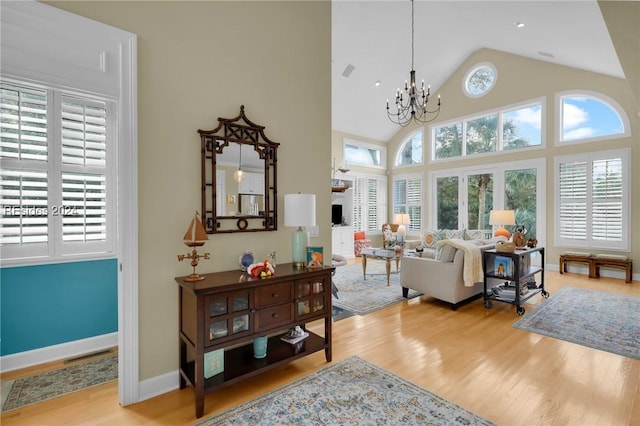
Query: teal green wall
(47,305)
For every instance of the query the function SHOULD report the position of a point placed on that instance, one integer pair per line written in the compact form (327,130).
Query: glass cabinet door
(228,317)
(310,296)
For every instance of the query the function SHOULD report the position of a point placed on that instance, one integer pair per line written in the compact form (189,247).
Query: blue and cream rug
(360,296)
(349,392)
(40,387)
(605,321)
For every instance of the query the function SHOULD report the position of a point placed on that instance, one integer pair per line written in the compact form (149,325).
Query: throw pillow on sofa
(454,233)
(445,253)
(431,237)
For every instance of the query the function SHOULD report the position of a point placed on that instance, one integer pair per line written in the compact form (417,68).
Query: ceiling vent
(348,70)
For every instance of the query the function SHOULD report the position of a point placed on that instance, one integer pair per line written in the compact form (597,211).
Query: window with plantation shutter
(55,178)
(369,203)
(407,198)
(592,200)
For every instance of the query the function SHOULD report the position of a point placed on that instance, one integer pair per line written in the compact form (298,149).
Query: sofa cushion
(453,233)
(359,235)
(445,253)
(431,237)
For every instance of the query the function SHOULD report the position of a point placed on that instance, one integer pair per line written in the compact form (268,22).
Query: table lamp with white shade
(401,219)
(299,211)
(502,218)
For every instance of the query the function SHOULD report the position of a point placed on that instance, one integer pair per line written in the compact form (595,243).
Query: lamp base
(299,248)
(502,232)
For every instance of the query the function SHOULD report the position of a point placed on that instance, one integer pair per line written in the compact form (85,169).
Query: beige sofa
(441,278)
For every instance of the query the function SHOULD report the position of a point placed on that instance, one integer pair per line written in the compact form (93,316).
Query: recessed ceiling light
(377,83)
(518,24)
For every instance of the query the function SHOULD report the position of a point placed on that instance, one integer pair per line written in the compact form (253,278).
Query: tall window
(592,201)
(407,198)
(55,179)
(464,197)
(369,203)
(410,151)
(588,116)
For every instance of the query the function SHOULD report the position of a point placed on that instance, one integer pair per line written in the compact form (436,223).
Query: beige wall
(520,79)
(198,61)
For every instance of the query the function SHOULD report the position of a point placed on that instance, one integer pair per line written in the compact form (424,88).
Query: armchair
(359,242)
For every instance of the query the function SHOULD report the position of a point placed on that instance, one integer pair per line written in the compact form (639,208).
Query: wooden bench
(612,261)
(578,257)
(597,261)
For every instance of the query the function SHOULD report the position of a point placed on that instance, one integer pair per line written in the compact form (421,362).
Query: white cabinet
(252,183)
(342,241)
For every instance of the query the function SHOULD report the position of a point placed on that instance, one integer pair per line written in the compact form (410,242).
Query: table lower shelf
(239,362)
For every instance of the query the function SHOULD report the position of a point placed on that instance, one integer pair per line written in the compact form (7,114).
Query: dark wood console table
(222,314)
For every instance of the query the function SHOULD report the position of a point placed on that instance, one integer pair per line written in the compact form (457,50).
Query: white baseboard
(57,352)
(158,385)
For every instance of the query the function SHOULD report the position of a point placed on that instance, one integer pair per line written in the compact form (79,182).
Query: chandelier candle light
(299,211)
(411,104)
(194,237)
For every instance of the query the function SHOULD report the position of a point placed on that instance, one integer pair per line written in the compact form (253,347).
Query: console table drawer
(269,318)
(273,294)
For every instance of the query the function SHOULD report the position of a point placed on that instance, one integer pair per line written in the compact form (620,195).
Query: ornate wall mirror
(238,177)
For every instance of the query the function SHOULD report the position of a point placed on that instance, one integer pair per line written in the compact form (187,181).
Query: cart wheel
(488,304)
(520,310)
(545,294)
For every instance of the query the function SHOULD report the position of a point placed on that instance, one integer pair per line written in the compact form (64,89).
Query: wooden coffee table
(380,254)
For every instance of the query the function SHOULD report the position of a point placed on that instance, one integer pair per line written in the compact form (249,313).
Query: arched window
(588,116)
(410,151)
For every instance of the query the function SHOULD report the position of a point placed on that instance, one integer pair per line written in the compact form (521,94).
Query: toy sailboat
(194,237)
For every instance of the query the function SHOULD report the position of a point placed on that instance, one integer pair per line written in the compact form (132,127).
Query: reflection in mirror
(238,177)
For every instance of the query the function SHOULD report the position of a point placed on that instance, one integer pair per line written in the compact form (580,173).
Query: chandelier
(411,103)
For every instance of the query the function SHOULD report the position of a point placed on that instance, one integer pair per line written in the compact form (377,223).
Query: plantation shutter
(358,205)
(414,203)
(573,200)
(606,213)
(23,176)
(407,198)
(84,174)
(23,123)
(593,200)
(23,194)
(372,206)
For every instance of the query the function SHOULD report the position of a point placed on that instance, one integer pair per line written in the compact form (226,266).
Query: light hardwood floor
(473,357)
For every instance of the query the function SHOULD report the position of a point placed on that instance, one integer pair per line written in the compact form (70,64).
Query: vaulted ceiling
(374,39)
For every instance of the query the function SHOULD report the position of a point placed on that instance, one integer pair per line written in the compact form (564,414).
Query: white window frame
(471,72)
(607,100)
(56,250)
(589,158)
(402,146)
(365,146)
(499,142)
(412,228)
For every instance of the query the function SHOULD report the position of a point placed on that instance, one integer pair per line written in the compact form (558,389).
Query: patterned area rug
(361,296)
(40,387)
(349,392)
(604,321)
